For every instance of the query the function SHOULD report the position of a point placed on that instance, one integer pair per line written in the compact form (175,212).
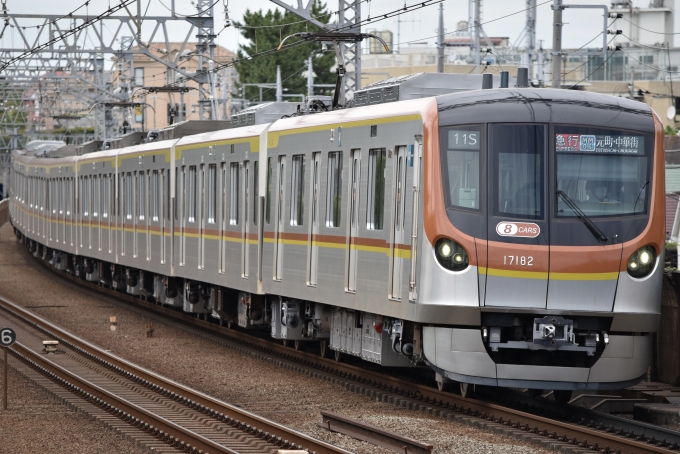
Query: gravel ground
(287,397)
(36,423)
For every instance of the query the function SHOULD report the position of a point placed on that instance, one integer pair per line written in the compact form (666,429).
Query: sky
(420,25)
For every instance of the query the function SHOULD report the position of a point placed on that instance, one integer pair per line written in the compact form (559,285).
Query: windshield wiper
(597,233)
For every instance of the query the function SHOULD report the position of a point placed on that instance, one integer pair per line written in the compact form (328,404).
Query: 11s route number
(7,337)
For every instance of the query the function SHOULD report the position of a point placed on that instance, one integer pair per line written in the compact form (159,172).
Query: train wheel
(338,355)
(297,344)
(534,393)
(467,390)
(562,396)
(443,386)
(323,348)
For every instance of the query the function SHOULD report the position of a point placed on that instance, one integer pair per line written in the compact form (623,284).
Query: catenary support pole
(440,40)
(557,44)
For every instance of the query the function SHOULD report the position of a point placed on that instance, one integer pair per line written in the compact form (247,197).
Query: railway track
(579,429)
(180,417)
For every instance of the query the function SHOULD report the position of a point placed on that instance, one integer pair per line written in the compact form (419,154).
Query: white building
(651,25)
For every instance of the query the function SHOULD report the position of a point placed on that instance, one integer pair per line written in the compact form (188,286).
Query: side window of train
(256,190)
(297,190)
(334,189)
(191,194)
(128,196)
(375,211)
(268,208)
(212,193)
(233,193)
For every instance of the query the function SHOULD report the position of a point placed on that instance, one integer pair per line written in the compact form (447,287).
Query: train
(507,237)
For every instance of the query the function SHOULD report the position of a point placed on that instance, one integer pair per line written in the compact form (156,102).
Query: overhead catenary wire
(68,33)
(647,30)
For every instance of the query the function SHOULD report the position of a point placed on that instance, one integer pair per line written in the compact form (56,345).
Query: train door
(245,259)
(397,234)
(278,228)
(517,227)
(313,248)
(355,167)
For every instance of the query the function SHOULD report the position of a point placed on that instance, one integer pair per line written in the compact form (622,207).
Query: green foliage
(292,61)
(670,131)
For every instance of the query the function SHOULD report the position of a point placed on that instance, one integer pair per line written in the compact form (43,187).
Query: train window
(177,184)
(461,166)
(233,194)
(246,189)
(223,186)
(191,194)
(86,196)
(297,190)
(128,196)
(61,196)
(69,196)
(334,189)
(256,191)
(141,195)
(518,155)
(270,170)
(604,172)
(105,196)
(376,189)
(95,196)
(155,190)
(212,193)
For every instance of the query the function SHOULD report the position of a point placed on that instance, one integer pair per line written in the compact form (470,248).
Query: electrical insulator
(614,32)
(615,15)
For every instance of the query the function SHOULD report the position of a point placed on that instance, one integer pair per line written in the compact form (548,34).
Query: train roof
(544,105)
(392,109)
(223,134)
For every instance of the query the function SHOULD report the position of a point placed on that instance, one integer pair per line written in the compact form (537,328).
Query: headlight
(451,255)
(641,263)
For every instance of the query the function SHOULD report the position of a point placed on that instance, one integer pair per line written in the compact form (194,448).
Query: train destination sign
(585,143)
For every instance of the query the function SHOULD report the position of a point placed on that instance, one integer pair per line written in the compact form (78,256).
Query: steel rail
(171,387)
(100,396)
(372,434)
(563,431)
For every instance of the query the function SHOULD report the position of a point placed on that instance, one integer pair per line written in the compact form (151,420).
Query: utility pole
(530,28)
(557,44)
(476,29)
(279,87)
(310,78)
(440,40)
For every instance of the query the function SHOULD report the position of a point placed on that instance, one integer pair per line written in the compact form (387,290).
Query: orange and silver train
(504,237)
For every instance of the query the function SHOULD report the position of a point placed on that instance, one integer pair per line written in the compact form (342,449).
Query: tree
(292,61)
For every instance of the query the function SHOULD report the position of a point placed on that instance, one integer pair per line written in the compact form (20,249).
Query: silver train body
(330,228)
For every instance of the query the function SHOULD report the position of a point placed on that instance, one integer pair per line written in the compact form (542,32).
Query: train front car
(544,218)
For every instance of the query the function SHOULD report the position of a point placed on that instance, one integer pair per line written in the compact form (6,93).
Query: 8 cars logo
(518,229)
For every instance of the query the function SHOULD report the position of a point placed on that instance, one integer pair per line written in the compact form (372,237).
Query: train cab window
(334,189)
(270,172)
(297,190)
(212,193)
(233,195)
(191,194)
(461,148)
(376,189)
(604,172)
(518,153)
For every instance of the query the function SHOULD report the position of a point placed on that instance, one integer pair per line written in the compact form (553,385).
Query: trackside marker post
(7,338)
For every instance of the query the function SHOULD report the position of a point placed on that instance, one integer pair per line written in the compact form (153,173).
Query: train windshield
(604,172)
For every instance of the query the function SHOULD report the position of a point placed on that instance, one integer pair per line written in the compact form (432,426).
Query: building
(164,108)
